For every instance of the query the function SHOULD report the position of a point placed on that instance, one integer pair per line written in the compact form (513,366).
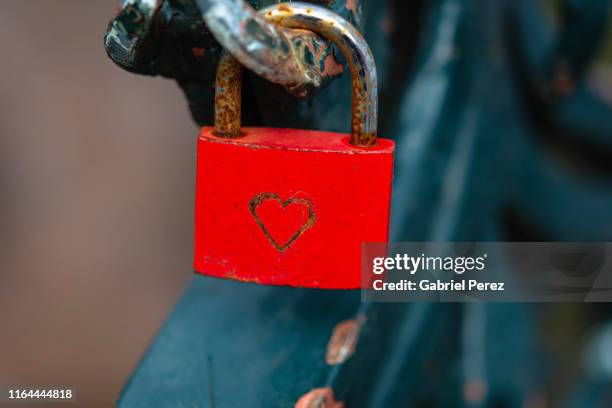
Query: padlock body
(289,207)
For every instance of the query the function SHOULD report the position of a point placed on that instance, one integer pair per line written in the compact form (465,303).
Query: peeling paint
(299,60)
(343,342)
(319,398)
(331,67)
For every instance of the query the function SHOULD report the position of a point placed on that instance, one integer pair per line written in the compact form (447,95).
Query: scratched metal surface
(499,138)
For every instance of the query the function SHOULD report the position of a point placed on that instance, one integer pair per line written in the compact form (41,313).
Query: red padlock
(286,206)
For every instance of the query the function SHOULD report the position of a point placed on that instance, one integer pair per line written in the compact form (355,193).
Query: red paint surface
(319,199)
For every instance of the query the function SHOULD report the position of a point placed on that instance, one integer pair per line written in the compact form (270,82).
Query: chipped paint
(298,60)
(343,342)
(232,275)
(319,398)
(351,5)
(263,48)
(354,6)
(331,67)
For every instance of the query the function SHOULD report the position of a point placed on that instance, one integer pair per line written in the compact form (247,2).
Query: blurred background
(96,208)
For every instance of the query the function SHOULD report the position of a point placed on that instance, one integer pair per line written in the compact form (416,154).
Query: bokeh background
(96,202)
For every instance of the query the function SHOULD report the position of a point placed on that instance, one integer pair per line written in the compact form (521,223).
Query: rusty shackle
(330,26)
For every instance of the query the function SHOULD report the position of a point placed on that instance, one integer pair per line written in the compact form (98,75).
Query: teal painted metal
(596,388)
(231,344)
(499,138)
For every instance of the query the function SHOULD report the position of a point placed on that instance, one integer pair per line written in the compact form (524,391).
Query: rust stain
(260,198)
(343,341)
(233,276)
(303,58)
(319,398)
(198,52)
(228,98)
(361,108)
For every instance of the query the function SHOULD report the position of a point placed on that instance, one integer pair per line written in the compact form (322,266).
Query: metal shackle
(330,26)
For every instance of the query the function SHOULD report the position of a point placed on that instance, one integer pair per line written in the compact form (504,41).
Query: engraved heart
(282,222)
